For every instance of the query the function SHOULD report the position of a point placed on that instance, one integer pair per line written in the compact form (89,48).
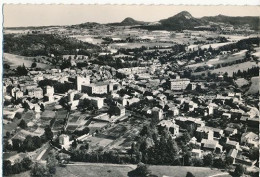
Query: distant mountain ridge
(181,21)
(252,21)
(129,22)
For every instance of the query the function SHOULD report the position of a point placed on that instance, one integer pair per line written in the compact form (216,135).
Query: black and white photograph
(130,90)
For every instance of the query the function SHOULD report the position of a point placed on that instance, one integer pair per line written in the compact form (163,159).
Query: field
(113,170)
(254,88)
(138,45)
(230,69)
(16,60)
(88,38)
(221,59)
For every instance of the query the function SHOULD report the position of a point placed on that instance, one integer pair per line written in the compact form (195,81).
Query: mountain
(181,21)
(253,22)
(129,22)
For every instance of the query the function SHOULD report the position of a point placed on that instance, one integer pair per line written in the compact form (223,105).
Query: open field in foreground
(114,170)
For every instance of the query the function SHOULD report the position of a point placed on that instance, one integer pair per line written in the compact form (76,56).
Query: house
(196,153)
(211,145)
(233,154)
(250,139)
(119,110)
(173,111)
(170,126)
(18,94)
(230,131)
(64,141)
(157,114)
(232,144)
(48,90)
(226,115)
(204,133)
(35,92)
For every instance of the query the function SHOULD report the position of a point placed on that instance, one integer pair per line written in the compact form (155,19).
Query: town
(126,94)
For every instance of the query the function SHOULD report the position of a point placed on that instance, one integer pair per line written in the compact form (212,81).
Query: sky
(44,15)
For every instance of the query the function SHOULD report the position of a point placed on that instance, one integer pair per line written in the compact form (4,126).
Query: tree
(42,107)
(208,160)
(254,153)
(229,161)
(18,115)
(240,170)
(21,71)
(34,65)
(39,170)
(22,124)
(141,170)
(26,163)
(7,167)
(48,133)
(7,134)
(52,162)
(189,174)
(6,66)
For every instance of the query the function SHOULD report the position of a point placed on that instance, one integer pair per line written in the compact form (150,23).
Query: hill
(181,21)
(253,22)
(129,22)
(45,44)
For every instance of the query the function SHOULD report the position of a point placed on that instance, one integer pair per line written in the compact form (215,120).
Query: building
(233,154)
(179,84)
(157,114)
(98,88)
(48,90)
(173,111)
(204,133)
(64,141)
(119,110)
(196,153)
(230,131)
(18,94)
(82,81)
(97,102)
(232,144)
(170,126)
(211,145)
(35,92)
(250,139)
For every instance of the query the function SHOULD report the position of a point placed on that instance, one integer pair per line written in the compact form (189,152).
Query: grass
(93,171)
(221,59)
(230,69)
(254,88)
(16,60)
(110,170)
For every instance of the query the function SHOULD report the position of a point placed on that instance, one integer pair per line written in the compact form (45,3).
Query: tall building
(82,81)
(179,84)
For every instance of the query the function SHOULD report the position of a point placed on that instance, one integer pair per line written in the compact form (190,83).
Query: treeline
(241,45)
(46,44)
(250,72)
(30,143)
(9,169)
